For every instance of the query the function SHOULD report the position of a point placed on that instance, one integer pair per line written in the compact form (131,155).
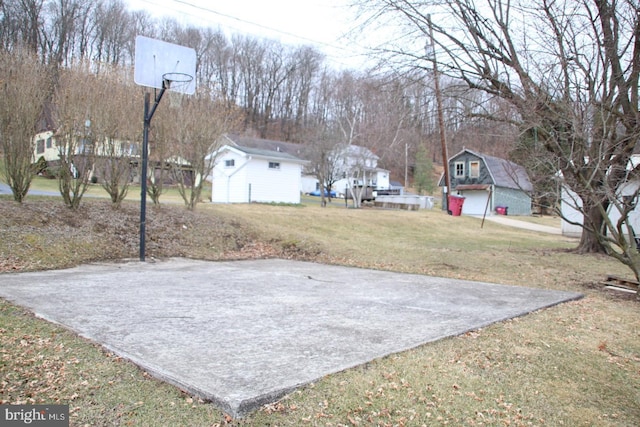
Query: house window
(230,163)
(459,168)
(84,146)
(49,142)
(40,146)
(474,169)
(274,165)
(128,149)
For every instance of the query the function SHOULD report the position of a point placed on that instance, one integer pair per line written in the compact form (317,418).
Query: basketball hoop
(164,66)
(176,84)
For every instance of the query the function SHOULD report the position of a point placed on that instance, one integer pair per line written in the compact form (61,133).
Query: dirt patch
(43,234)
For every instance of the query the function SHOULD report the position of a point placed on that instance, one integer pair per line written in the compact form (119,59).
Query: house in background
(45,147)
(48,146)
(358,167)
(309,183)
(255,170)
(489,183)
(571,203)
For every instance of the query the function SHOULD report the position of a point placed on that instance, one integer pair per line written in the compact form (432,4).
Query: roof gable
(504,173)
(357,151)
(266,145)
(268,154)
(259,148)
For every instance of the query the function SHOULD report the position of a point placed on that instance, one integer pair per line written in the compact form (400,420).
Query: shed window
(274,165)
(474,169)
(459,167)
(230,163)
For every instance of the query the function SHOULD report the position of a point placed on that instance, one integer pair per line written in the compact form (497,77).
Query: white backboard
(155,58)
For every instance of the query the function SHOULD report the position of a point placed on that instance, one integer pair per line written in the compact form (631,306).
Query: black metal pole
(143,175)
(148,115)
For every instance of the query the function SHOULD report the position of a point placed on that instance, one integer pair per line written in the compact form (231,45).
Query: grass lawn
(95,190)
(577,364)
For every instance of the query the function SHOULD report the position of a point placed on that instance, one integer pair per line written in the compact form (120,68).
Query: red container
(501,210)
(455,205)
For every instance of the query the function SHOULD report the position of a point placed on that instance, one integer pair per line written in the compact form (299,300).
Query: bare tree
(251,54)
(113,32)
(349,116)
(160,153)
(277,69)
(21,24)
(199,124)
(320,150)
(24,86)
(569,68)
(58,32)
(115,131)
(75,104)
(307,60)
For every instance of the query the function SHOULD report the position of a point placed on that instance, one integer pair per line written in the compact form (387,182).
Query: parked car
(326,193)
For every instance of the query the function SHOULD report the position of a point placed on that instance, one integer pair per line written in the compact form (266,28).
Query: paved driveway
(514,222)
(245,333)
(4,188)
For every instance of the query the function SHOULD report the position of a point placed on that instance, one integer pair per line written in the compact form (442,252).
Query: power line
(255,24)
(350,51)
(247,22)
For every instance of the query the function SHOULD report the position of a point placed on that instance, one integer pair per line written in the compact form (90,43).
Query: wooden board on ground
(622,283)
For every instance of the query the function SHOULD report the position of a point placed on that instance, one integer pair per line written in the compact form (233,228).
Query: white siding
(309,184)
(628,189)
(382,180)
(282,185)
(50,154)
(251,180)
(570,199)
(229,184)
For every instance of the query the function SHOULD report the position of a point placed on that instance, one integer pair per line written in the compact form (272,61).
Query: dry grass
(577,364)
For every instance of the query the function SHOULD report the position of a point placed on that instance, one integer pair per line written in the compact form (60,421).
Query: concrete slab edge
(241,408)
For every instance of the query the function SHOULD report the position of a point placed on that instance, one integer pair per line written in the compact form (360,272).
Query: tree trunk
(589,242)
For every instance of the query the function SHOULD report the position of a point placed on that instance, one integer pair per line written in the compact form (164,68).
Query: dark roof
(46,121)
(295,150)
(268,153)
(506,173)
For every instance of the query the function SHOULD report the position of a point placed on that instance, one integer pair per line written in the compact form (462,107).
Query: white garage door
(475,202)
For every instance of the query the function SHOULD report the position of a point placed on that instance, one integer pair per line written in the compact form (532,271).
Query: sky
(321,23)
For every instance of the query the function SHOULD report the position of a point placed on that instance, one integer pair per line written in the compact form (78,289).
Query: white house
(358,167)
(46,146)
(309,183)
(572,217)
(571,203)
(244,174)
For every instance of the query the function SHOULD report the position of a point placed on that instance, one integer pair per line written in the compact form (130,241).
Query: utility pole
(443,138)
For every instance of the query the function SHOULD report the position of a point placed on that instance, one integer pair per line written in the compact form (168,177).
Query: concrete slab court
(245,333)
